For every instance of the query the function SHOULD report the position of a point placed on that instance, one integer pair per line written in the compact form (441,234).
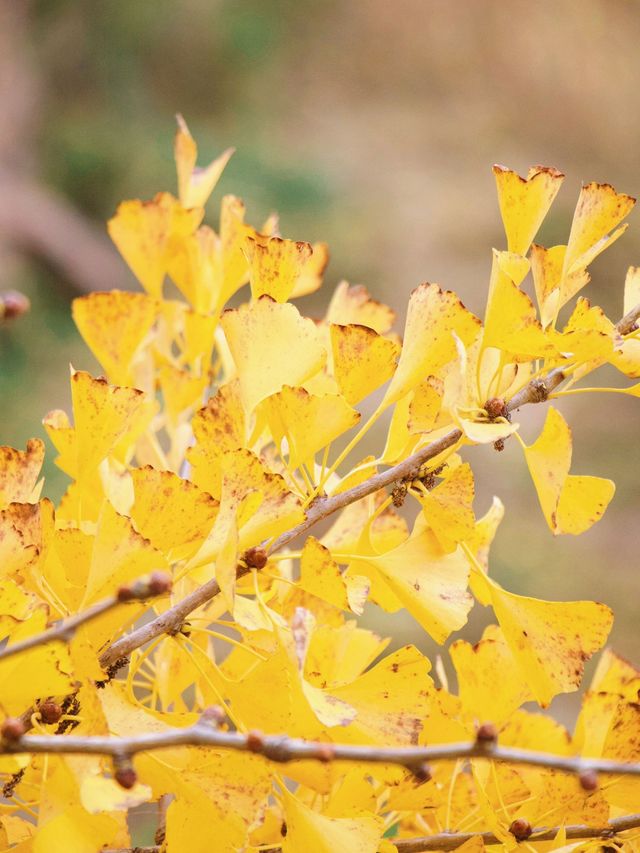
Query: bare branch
(452,840)
(628,322)
(282,749)
(159,583)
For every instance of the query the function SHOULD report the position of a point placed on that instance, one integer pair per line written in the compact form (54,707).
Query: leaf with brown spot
(19,471)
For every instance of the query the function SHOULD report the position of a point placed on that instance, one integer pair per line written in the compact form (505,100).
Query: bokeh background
(371,125)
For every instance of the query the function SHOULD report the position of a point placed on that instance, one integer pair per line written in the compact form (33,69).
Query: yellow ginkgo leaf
(511,324)
(174,514)
(321,576)
(631,289)
(430,583)
(181,390)
(195,185)
(524,202)
(339,654)
(217,427)
(113,325)
(196,269)
(308,422)
(392,700)
(354,305)
(310,830)
(146,234)
(19,471)
(272,509)
(425,404)
(103,414)
(75,829)
(275,266)
(570,504)
(588,335)
(119,555)
(483,696)
(362,360)
(310,277)
(551,640)
(45,670)
(479,543)
(272,346)
(616,675)
(449,508)
(184,825)
(598,211)
(435,318)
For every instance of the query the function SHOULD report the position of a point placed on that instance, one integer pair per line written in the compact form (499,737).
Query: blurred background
(370,125)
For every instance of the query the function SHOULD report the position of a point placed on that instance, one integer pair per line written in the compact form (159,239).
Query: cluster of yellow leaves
(212,434)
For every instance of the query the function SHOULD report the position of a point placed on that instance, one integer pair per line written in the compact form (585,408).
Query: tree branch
(282,749)
(536,391)
(159,583)
(452,840)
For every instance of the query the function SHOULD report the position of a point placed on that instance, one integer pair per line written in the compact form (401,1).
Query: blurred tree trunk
(34,221)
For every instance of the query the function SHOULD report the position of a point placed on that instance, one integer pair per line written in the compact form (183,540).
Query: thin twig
(452,840)
(536,391)
(139,590)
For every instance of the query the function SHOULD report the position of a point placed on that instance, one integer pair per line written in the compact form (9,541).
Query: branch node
(486,736)
(124,772)
(12,730)
(255,742)
(521,829)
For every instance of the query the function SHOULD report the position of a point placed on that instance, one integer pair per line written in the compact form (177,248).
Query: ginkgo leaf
(146,233)
(598,211)
(484,696)
(113,325)
(102,414)
(321,576)
(479,543)
(425,404)
(551,640)
(195,185)
(273,508)
(339,654)
(310,830)
(448,508)
(275,266)
(355,305)
(524,202)
(434,318)
(45,670)
(631,289)
(19,472)
(310,276)
(570,504)
(553,289)
(196,268)
(308,422)
(362,360)
(511,323)
(392,700)
(217,427)
(181,390)
(430,583)
(174,514)
(119,554)
(272,346)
